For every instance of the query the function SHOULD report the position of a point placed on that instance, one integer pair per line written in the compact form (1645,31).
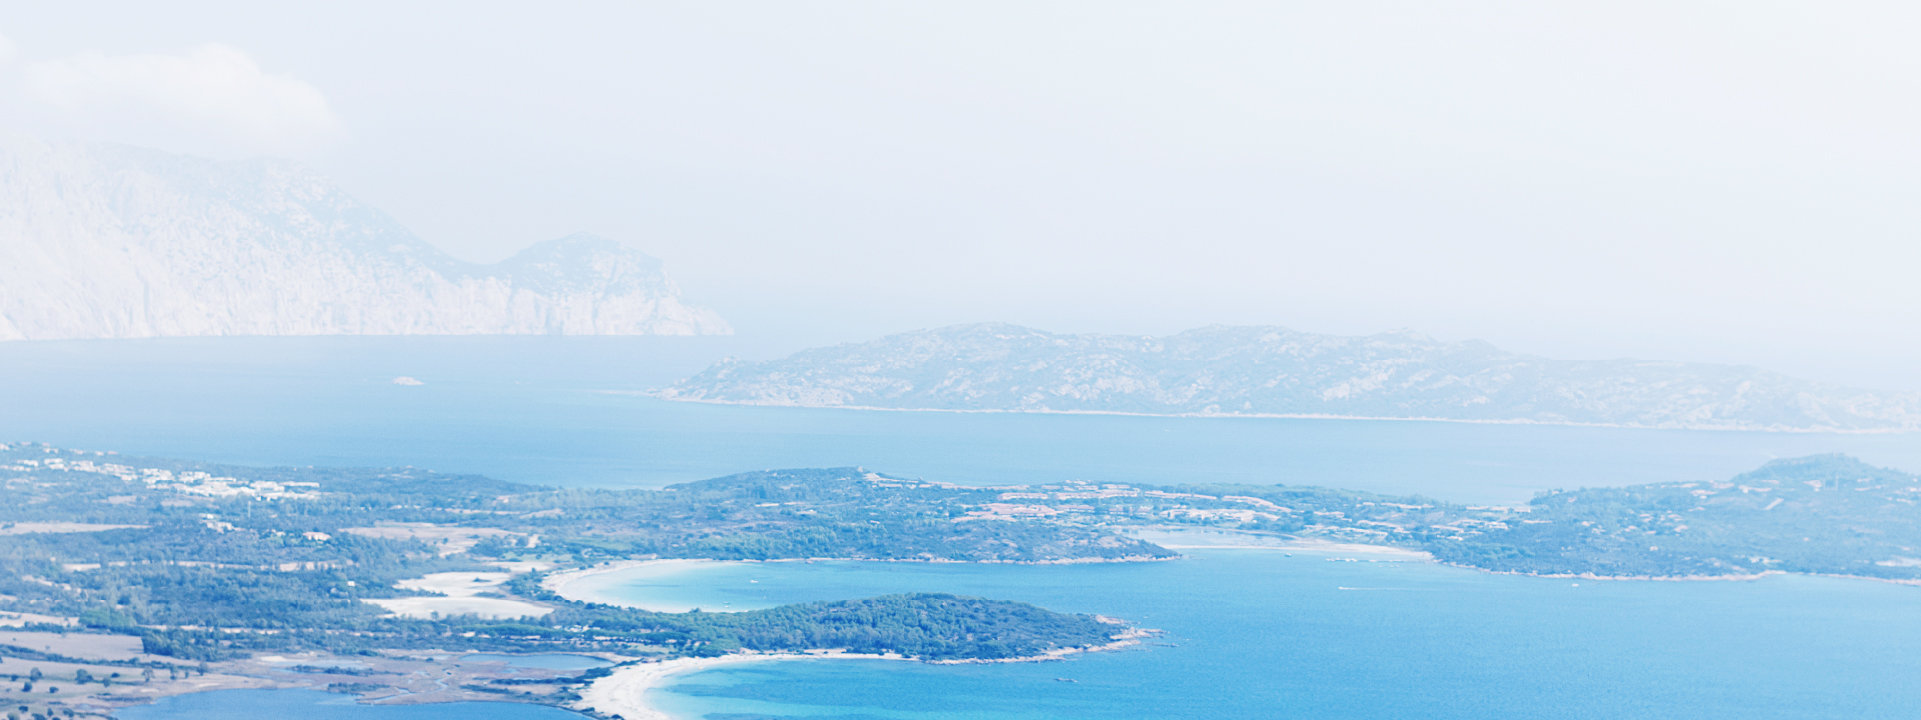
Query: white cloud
(7,49)
(211,92)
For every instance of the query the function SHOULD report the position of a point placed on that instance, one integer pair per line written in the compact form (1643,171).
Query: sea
(1248,633)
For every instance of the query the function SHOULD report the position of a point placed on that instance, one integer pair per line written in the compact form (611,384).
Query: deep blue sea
(1251,633)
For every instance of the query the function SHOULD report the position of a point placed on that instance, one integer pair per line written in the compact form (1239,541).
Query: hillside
(101,241)
(1825,514)
(1276,371)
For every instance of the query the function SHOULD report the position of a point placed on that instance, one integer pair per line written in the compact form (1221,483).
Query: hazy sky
(1723,182)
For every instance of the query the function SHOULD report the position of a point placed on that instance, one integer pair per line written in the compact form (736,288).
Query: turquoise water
(1251,634)
(561,411)
(1260,634)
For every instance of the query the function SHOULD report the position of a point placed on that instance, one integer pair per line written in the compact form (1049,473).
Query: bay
(1251,633)
(1265,634)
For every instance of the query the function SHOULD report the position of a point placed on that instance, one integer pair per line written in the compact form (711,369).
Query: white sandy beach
(624,693)
(568,584)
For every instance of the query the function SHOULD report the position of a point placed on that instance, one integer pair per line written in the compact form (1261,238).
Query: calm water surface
(1251,634)
(563,411)
(1262,634)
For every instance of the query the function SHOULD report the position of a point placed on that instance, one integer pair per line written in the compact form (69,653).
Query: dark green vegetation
(840,513)
(924,625)
(1827,514)
(233,560)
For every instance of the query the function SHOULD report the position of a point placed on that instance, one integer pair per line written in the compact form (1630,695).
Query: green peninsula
(1826,514)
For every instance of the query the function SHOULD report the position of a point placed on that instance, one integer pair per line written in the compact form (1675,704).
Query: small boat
(1066,680)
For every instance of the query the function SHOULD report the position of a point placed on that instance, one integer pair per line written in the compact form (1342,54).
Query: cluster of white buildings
(190,482)
(1009,507)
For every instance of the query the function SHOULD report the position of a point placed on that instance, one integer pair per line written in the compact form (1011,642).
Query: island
(1267,371)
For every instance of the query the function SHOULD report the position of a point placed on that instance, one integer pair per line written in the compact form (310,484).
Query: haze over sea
(568,411)
(1251,633)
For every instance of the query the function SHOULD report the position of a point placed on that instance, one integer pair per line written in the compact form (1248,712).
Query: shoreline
(657,394)
(1398,554)
(1196,538)
(557,583)
(623,694)
(1645,578)
(1689,578)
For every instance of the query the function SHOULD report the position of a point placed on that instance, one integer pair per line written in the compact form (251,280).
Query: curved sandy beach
(624,693)
(565,584)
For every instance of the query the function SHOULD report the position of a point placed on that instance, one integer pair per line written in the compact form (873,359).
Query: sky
(1720,182)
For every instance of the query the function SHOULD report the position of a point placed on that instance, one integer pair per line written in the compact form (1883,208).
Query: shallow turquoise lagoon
(1262,634)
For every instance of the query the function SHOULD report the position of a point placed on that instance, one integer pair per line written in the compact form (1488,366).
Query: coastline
(1286,416)
(1176,537)
(557,583)
(623,694)
(1649,578)
(1693,578)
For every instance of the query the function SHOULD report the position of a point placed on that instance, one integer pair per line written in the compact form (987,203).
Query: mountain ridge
(106,241)
(1275,371)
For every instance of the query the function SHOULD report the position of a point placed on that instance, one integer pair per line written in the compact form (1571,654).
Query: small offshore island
(129,579)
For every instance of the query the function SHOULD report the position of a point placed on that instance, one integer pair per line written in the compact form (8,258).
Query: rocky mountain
(101,241)
(1276,371)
